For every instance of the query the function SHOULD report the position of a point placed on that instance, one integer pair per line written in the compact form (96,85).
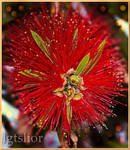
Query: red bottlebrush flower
(66,69)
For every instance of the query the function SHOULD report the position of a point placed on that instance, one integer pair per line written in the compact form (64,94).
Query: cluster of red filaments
(66,69)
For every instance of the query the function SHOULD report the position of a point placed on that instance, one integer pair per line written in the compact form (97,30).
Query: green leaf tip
(75,34)
(69,113)
(41,44)
(101,45)
(82,65)
(96,58)
(28,73)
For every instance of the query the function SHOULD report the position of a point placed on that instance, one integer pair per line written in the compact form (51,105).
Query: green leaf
(28,73)
(33,74)
(96,58)
(50,44)
(75,39)
(27,85)
(39,123)
(93,65)
(41,44)
(87,66)
(82,65)
(101,45)
(100,48)
(69,113)
(75,34)
(23,73)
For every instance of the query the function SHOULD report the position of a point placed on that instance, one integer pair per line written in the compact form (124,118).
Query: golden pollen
(72,86)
